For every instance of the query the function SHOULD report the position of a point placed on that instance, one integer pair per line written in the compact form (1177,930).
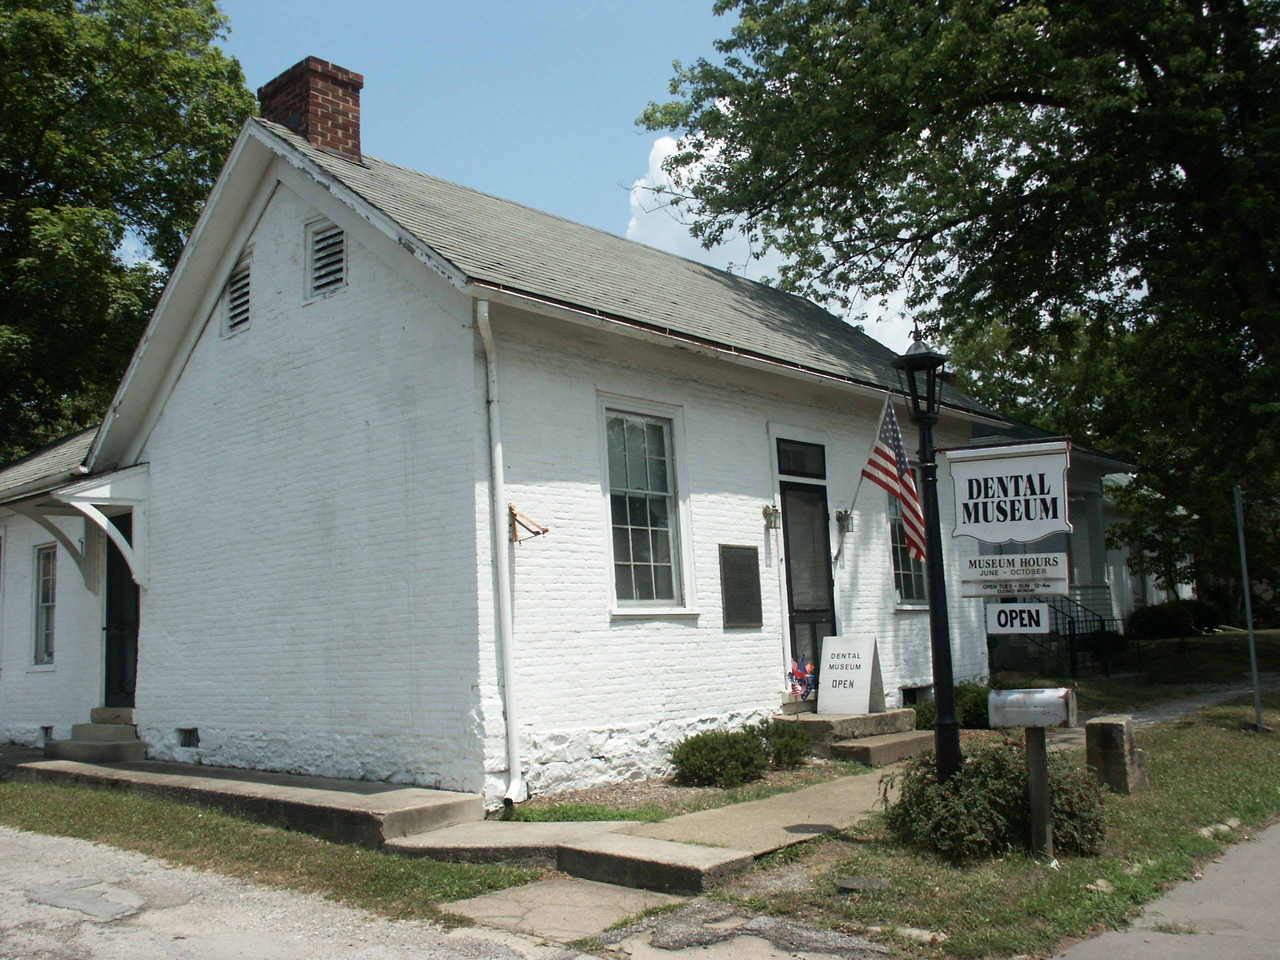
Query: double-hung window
(908,572)
(46,598)
(643,505)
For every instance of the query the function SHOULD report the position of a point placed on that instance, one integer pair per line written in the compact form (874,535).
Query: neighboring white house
(302,486)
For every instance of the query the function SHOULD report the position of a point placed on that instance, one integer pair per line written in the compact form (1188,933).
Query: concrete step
(362,812)
(111,714)
(111,732)
(492,841)
(886,748)
(663,865)
(825,728)
(95,751)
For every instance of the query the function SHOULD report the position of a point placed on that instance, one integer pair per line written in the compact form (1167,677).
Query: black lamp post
(923,367)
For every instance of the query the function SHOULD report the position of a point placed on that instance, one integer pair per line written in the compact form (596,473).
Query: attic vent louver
(328,259)
(238,297)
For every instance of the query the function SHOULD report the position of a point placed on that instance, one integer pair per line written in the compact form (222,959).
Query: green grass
(209,840)
(1164,670)
(1204,770)
(648,813)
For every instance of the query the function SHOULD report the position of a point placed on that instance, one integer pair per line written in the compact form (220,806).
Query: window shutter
(328,259)
(238,297)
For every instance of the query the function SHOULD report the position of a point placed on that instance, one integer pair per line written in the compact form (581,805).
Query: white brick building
(305,453)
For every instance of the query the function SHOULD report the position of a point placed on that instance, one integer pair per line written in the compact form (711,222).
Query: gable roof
(48,467)
(505,245)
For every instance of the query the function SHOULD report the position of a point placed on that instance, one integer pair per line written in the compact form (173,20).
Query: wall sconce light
(772,517)
(842,521)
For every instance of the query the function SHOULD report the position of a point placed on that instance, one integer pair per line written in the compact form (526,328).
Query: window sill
(42,668)
(911,608)
(627,613)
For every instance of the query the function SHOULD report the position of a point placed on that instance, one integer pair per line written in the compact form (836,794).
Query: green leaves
(116,118)
(1082,199)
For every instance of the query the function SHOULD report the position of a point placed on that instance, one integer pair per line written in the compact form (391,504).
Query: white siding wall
(34,696)
(604,697)
(312,604)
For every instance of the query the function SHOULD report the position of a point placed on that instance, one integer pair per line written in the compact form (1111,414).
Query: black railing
(1079,638)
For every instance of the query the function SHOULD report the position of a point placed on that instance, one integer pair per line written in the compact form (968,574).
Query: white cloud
(656,222)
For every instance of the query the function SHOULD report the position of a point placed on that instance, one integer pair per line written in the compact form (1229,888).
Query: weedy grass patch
(210,840)
(1205,769)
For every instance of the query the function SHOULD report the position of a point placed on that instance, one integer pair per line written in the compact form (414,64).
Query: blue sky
(534,101)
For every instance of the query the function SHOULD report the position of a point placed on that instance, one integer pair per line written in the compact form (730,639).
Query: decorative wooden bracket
(518,522)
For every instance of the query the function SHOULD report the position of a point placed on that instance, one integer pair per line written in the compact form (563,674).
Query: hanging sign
(1015,493)
(1014,575)
(850,680)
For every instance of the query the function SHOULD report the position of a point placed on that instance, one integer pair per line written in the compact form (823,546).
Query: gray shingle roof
(53,463)
(499,242)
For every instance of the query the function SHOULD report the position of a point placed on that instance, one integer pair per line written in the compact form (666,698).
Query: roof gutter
(500,553)
(578,314)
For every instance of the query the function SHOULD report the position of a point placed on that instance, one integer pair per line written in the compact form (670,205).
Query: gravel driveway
(67,899)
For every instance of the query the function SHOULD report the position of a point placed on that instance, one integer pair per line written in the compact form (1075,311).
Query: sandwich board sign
(850,680)
(1011,493)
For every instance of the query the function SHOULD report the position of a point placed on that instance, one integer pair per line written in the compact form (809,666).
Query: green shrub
(720,758)
(971,705)
(1160,621)
(971,708)
(785,743)
(983,810)
(1204,614)
(926,714)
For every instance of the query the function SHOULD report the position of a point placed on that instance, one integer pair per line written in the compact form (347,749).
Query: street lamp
(923,367)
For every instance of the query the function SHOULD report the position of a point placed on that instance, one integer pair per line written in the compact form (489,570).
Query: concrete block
(825,728)
(1112,754)
(663,865)
(886,748)
(490,841)
(111,714)
(95,751)
(104,732)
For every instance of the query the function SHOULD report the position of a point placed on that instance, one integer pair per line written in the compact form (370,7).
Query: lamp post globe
(922,366)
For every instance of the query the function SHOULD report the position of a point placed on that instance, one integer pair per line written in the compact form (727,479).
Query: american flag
(887,466)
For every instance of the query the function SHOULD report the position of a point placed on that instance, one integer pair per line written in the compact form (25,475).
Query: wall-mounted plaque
(740,586)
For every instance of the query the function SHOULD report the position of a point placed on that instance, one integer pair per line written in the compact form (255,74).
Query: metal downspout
(501,555)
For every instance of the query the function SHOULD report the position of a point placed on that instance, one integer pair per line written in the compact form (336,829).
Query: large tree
(115,119)
(1095,183)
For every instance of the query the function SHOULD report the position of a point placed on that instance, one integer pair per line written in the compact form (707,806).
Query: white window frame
(243,262)
(686,603)
(894,514)
(44,621)
(310,294)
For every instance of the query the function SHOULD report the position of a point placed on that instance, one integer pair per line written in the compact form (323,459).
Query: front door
(810,596)
(121,629)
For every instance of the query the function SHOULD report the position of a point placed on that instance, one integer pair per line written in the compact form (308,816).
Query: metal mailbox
(1054,707)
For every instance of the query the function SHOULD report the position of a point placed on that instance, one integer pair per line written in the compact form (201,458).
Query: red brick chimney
(319,101)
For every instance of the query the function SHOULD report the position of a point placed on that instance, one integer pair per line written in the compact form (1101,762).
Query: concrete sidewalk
(1228,914)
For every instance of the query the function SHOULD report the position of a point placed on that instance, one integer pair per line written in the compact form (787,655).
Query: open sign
(1018,618)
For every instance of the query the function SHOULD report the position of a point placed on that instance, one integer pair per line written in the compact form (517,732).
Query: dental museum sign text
(1015,493)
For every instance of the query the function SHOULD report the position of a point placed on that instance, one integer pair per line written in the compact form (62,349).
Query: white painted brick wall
(34,696)
(312,599)
(321,595)
(605,698)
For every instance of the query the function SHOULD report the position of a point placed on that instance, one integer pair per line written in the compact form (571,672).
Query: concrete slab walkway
(1228,914)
